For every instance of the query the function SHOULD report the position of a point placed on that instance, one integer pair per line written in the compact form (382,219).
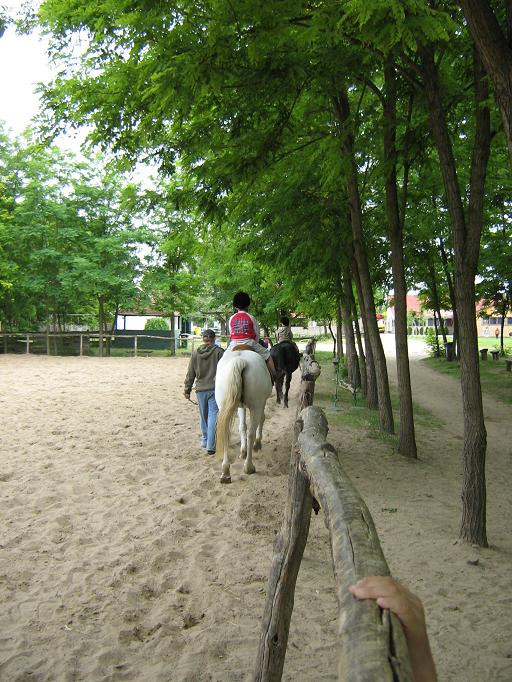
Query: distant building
(135,320)
(487,322)
(422,320)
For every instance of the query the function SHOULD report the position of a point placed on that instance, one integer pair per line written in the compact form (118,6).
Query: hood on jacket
(205,351)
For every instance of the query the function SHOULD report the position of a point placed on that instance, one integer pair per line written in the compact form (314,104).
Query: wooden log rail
(371,642)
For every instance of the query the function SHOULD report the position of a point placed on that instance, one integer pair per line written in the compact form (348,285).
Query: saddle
(242,346)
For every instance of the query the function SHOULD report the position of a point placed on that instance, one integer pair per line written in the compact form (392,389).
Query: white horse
(243,382)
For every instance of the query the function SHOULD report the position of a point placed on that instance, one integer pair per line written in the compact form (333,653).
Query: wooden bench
(483,353)
(495,354)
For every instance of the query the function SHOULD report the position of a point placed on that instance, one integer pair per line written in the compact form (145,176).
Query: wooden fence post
(81,345)
(135,346)
(288,548)
(28,344)
(371,640)
(372,646)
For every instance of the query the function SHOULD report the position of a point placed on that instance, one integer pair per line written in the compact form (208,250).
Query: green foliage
(65,241)
(238,107)
(435,346)
(157,323)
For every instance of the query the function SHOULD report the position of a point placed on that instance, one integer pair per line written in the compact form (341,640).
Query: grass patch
(355,414)
(495,380)
(345,411)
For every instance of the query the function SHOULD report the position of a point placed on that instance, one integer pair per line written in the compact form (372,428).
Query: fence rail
(79,343)
(371,642)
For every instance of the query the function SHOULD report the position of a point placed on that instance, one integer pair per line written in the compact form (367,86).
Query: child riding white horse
(242,382)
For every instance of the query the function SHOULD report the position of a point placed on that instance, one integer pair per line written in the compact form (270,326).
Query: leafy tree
(227,95)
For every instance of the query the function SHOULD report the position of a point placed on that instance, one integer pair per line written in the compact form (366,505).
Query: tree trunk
(342,108)
(360,349)
(47,326)
(407,439)
(503,315)
(101,323)
(334,338)
(466,240)
(372,400)
(173,333)
(436,301)
(496,54)
(354,375)
(451,289)
(438,352)
(339,326)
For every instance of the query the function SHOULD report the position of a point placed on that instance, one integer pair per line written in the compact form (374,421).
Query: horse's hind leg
(253,443)
(242,427)
(226,472)
(279,388)
(287,388)
(259,431)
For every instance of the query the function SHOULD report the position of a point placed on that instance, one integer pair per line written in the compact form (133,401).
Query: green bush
(430,340)
(156,323)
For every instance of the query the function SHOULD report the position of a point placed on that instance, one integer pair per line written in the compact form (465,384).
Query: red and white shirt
(243,326)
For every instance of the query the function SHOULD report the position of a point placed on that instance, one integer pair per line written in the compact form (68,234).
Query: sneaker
(210,452)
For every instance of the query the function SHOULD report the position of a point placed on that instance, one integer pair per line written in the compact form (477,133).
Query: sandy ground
(123,558)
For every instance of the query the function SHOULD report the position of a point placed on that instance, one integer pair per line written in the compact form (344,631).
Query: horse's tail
(230,403)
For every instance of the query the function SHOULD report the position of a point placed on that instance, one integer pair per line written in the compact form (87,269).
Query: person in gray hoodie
(202,369)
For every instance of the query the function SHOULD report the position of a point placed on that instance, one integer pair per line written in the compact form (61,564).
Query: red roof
(412,302)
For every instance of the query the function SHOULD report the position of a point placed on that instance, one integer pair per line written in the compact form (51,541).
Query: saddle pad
(242,346)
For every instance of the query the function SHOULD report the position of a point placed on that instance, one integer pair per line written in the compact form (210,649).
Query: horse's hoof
(250,470)
(225,479)
(257,445)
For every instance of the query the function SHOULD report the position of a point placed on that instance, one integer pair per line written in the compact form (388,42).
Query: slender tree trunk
(451,290)
(438,352)
(360,349)
(371,381)
(381,373)
(339,326)
(48,346)
(466,240)
(173,332)
(407,438)
(495,51)
(436,300)
(354,375)
(101,321)
(334,338)
(502,326)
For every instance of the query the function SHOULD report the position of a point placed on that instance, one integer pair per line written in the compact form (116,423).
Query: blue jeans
(208,412)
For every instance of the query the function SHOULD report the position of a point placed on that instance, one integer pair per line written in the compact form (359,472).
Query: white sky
(23,63)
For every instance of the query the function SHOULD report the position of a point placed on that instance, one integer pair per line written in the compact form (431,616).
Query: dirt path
(467,591)
(441,396)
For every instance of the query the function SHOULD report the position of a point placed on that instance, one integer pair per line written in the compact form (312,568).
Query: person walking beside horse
(202,369)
